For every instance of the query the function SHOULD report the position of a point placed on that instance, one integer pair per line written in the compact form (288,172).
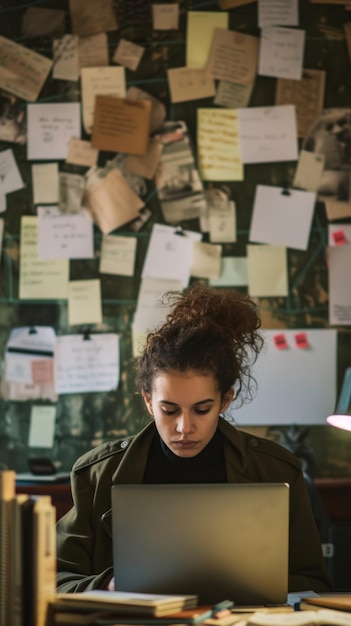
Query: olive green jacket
(84,546)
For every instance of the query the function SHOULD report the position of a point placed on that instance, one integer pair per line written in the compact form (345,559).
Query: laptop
(218,541)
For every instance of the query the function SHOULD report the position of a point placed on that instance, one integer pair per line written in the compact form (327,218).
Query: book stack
(27,555)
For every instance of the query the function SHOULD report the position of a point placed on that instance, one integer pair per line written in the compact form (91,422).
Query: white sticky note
(42,427)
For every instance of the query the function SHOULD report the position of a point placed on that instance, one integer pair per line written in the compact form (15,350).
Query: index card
(186,83)
(311,394)
(339,259)
(233,56)
(218,145)
(65,54)
(278,13)
(267,270)
(93,51)
(200,29)
(50,127)
(169,254)
(39,280)
(86,365)
(128,54)
(96,16)
(118,255)
(165,16)
(205,260)
(84,302)
(268,134)
(121,125)
(22,71)
(10,176)
(306,94)
(281,52)
(64,236)
(233,273)
(99,81)
(42,427)
(282,219)
(45,179)
(309,170)
(81,152)
(113,202)
(233,95)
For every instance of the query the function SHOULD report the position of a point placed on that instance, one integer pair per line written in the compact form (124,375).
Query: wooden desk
(59,492)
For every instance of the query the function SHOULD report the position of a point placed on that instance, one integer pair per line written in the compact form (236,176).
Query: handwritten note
(165,16)
(84,302)
(218,145)
(96,16)
(267,270)
(118,255)
(233,95)
(22,71)
(62,236)
(282,219)
(278,13)
(306,94)
(87,365)
(128,54)
(113,202)
(186,83)
(93,51)
(281,52)
(199,32)
(81,152)
(121,125)
(39,280)
(99,81)
(268,134)
(50,128)
(45,179)
(233,56)
(66,62)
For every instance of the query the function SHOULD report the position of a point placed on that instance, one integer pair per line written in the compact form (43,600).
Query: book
(16,565)
(339,601)
(106,618)
(44,558)
(146,604)
(7,495)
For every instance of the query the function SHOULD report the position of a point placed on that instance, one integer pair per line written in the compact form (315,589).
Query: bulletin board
(86,420)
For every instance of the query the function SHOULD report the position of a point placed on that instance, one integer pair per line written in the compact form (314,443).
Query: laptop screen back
(219,541)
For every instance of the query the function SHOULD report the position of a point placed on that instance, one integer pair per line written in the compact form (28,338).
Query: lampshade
(340,421)
(342,416)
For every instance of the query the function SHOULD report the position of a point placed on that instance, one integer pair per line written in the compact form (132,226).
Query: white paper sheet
(50,128)
(278,13)
(339,259)
(281,52)
(63,235)
(268,134)
(42,427)
(10,176)
(310,395)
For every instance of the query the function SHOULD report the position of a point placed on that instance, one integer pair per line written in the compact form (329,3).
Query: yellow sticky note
(200,29)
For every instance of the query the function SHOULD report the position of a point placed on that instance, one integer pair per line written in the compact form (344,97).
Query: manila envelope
(121,125)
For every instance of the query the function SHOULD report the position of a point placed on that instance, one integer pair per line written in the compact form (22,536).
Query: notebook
(218,541)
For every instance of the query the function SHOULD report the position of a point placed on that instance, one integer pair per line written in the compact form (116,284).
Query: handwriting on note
(22,71)
(233,56)
(218,145)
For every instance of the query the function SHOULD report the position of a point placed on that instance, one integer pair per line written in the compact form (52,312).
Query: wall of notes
(144,146)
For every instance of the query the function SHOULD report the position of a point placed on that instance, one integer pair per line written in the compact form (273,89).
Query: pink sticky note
(280,341)
(43,372)
(339,238)
(301,340)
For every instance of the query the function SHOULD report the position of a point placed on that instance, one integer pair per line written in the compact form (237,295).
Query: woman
(188,374)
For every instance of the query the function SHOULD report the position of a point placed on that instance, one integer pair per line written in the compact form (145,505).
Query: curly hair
(209,331)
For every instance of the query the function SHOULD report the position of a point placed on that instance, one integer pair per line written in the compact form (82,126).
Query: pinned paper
(121,125)
(186,83)
(96,16)
(205,260)
(281,52)
(99,81)
(81,152)
(233,273)
(64,236)
(218,145)
(233,95)
(118,255)
(233,57)
(145,164)
(301,341)
(10,176)
(339,234)
(280,341)
(278,13)
(93,51)
(22,71)
(150,311)
(309,170)
(200,29)
(306,94)
(222,222)
(128,54)
(50,128)
(267,271)
(158,109)
(45,179)
(339,287)
(84,302)
(268,134)
(66,61)
(165,16)
(71,189)
(42,427)
(43,372)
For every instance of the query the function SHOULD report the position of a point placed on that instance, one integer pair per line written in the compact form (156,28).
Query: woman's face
(185,407)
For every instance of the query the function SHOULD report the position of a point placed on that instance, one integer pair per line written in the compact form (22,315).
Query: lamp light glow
(340,421)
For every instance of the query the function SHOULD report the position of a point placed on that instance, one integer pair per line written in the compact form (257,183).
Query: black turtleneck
(163,466)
